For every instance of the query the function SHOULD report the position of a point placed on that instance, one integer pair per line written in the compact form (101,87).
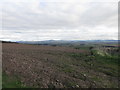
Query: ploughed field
(44,66)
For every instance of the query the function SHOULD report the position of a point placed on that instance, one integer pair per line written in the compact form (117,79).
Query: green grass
(0,80)
(107,64)
(11,82)
(70,84)
(82,47)
(65,68)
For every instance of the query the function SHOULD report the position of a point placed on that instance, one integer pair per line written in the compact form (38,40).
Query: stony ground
(42,66)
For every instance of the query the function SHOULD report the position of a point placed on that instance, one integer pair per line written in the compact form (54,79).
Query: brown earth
(48,66)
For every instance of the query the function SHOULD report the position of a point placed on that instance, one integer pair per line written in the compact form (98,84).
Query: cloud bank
(40,20)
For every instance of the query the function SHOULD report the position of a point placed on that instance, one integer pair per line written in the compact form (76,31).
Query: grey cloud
(99,14)
(59,20)
(56,18)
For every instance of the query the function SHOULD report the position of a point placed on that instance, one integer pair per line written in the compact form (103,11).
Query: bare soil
(40,66)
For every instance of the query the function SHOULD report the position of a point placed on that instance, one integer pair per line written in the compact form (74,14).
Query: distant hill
(57,42)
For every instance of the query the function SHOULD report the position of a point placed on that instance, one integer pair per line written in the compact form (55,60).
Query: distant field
(49,66)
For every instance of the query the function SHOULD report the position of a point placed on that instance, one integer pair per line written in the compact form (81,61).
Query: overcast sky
(30,20)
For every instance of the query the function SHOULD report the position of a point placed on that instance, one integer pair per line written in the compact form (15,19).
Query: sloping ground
(40,66)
